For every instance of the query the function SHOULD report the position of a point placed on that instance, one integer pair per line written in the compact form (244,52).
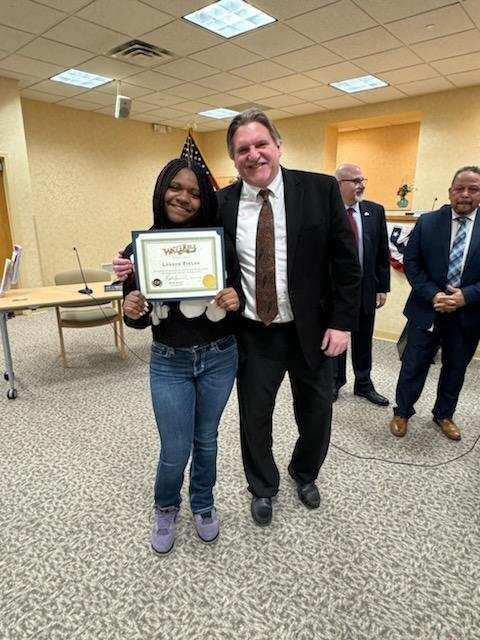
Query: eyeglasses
(354,180)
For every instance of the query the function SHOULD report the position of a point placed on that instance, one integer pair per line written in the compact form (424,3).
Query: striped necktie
(456,253)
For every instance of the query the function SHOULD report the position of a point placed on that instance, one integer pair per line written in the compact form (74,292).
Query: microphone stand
(87,289)
(434,203)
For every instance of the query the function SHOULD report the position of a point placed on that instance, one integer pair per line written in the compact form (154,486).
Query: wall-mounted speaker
(123,105)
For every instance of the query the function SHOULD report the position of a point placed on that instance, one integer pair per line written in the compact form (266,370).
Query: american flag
(191,152)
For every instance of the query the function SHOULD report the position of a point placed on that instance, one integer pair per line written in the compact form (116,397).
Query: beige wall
(377,147)
(13,150)
(92,179)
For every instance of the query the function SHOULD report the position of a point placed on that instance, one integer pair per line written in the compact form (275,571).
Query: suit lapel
(367,221)
(474,240)
(444,230)
(230,210)
(294,213)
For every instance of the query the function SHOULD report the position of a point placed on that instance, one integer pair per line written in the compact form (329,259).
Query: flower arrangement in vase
(402,192)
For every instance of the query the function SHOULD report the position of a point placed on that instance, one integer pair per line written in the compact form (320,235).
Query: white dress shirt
(358,219)
(468,229)
(248,213)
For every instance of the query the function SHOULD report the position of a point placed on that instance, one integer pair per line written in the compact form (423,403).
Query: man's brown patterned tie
(265,287)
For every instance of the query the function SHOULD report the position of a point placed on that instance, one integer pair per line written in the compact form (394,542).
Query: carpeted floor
(393,552)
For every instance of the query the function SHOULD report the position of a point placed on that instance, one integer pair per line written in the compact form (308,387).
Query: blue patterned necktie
(456,253)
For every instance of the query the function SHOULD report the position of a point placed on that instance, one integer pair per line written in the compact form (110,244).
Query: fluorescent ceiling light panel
(359,84)
(81,79)
(218,113)
(229,18)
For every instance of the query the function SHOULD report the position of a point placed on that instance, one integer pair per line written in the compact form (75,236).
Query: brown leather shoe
(449,428)
(398,426)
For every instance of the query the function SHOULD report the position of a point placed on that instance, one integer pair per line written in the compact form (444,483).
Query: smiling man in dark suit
(301,277)
(369,227)
(442,264)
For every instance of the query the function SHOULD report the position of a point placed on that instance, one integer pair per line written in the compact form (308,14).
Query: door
(5,235)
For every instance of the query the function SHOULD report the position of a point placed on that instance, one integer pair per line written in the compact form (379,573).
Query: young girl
(193,362)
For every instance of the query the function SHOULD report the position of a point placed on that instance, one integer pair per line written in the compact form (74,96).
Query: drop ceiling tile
(97,97)
(54,52)
(443,21)
(277,114)
(139,106)
(364,43)
(283,9)
(69,6)
(388,60)
(389,10)
(340,102)
(278,102)
(332,21)
(472,7)
(127,16)
(24,80)
(317,94)
(221,100)
(191,91)
(106,111)
(457,64)
(29,16)
(304,108)
(58,88)
(12,39)
(262,71)
(85,35)
(382,94)
(144,117)
(166,112)
(178,7)
(3,54)
(161,99)
(409,74)
(225,81)
(295,82)
(425,86)
(76,103)
(109,67)
(456,45)
(126,89)
(152,80)
(30,67)
(226,56)
(255,92)
(31,94)
(273,40)
(192,106)
(182,38)
(185,69)
(308,58)
(336,72)
(465,79)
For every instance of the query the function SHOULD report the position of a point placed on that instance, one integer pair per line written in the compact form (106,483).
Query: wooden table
(42,297)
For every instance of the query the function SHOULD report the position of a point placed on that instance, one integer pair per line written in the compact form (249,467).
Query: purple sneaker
(163,532)
(207,525)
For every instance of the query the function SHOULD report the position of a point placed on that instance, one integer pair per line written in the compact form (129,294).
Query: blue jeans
(190,388)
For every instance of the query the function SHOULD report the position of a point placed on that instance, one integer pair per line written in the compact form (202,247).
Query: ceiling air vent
(140,52)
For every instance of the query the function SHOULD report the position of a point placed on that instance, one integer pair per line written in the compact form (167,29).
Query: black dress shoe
(372,396)
(308,494)
(261,509)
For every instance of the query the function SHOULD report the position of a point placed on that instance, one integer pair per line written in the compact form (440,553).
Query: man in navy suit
(442,264)
(369,227)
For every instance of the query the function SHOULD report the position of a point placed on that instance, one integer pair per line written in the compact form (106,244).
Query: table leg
(123,352)
(9,374)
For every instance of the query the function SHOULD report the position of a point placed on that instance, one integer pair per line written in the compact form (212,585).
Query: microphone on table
(87,289)
(434,203)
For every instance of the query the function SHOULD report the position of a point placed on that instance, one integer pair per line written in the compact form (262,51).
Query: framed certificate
(179,264)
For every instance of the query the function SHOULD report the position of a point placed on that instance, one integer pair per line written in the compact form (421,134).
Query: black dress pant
(458,348)
(265,355)
(361,346)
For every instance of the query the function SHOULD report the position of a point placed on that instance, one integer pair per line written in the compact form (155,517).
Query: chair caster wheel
(11,394)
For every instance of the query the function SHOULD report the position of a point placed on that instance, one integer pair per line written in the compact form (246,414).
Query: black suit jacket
(376,255)
(322,263)
(426,261)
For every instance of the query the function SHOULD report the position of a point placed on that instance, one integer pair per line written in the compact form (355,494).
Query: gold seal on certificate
(179,265)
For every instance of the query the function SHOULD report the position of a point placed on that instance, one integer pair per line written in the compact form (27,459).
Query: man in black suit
(442,264)
(369,227)
(301,277)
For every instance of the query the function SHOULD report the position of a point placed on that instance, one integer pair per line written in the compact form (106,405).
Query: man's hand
(135,305)
(381,299)
(448,302)
(456,294)
(227,299)
(123,267)
(334,342)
